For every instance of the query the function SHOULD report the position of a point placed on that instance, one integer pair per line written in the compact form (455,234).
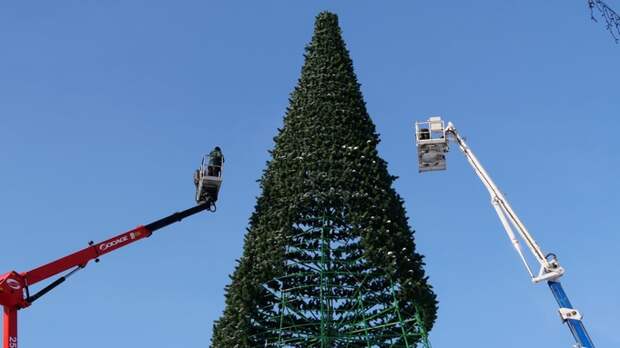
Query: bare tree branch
(611,17)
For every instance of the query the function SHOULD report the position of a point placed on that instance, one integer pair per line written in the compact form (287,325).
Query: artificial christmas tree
(329,259)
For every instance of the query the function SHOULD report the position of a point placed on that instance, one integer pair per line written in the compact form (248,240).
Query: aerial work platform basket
(208,179)
(432,144)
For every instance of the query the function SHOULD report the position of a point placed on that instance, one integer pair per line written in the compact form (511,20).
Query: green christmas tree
(329,259)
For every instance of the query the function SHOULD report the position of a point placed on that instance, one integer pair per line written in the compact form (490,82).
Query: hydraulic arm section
(15,287)
(432,141)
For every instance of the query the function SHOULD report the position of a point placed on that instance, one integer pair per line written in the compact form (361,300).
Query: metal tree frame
(343,315)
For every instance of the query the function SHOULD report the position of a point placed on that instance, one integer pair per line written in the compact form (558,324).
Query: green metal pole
(400,319)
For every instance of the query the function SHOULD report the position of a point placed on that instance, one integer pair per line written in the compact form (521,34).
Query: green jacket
(216,158)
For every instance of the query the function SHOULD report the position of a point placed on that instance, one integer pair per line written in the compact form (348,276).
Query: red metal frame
(10,328)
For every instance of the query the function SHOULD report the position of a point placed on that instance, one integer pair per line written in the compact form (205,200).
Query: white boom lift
(432,138)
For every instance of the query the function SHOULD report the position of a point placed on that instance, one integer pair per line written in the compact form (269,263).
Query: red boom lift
(14,286)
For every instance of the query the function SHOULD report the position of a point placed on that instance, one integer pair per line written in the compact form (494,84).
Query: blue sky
(107,107)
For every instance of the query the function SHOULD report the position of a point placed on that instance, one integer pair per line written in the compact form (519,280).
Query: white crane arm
(549,268)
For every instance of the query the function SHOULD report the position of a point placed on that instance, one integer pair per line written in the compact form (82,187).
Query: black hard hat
(217,148)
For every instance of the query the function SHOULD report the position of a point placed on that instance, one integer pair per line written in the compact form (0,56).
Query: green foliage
(329,259)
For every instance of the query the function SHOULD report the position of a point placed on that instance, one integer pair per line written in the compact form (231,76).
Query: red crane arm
(82,257)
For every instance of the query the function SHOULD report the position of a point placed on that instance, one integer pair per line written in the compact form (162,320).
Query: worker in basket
(208,177)
(216,159)
(214,165)
(425,134)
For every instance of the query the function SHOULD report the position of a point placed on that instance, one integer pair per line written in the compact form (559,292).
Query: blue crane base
(576,326)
